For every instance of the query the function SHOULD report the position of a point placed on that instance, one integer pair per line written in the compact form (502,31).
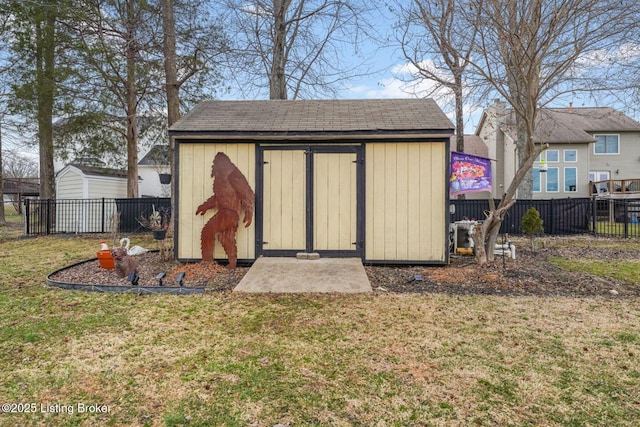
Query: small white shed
(80,189)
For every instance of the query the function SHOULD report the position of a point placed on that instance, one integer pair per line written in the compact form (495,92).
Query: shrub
(532,225)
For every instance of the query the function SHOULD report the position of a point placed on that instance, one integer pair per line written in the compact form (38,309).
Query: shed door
(284,198)
(310,201)
(334,202)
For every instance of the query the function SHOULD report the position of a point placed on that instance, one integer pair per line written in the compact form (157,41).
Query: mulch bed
(530,274)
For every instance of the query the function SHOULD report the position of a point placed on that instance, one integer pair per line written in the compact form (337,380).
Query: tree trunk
(277,78)
(172,88)
(170,62)
(525,189)
(131,107)
(485,235)
(45,78)
(457,91)
(3,220)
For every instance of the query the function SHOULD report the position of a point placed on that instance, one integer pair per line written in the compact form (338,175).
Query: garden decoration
(124,264)
(231,195)
(157,222)
(104,256)
(469,174)
(134,250)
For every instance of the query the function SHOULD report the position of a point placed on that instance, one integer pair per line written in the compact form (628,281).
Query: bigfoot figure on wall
(231,194)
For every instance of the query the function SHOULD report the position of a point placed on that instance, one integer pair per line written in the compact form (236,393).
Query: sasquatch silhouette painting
(231,195)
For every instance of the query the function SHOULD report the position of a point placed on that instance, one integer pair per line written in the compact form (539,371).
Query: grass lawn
(89,359)
(626,271)
(606,228)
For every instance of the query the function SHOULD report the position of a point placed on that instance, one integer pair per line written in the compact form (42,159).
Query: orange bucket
(106,260)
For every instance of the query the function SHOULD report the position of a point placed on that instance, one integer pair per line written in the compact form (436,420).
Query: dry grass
(261,360)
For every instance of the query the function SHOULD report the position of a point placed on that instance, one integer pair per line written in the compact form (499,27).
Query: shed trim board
(296,137)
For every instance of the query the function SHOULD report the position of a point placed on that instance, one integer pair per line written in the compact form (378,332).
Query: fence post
(552,216)
(594,213)
(26,217)
(102,216)
(626,217)
(48,217)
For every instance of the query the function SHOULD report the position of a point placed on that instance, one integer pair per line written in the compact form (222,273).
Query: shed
(80,185)
(349,178)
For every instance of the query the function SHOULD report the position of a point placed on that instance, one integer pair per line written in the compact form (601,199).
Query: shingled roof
(99,171)
(575,125)
(157,155)
(473,145)
(308,117)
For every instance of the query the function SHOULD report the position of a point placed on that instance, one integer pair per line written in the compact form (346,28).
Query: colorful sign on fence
(469,174)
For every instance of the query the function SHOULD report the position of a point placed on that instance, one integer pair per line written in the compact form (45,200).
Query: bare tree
(443,31)
(527,52)
(296,48)
(200,44)
(20,172)
(116,39)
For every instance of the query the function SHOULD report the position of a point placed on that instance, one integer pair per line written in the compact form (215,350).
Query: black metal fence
(89,215)
(602,217)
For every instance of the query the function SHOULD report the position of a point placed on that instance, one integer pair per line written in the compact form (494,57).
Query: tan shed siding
(405,198)
(196,185)
(284,199)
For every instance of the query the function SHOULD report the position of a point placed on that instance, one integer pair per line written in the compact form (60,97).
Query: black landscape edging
(146,290)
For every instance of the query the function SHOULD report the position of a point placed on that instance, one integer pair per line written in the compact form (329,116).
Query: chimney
(571,107)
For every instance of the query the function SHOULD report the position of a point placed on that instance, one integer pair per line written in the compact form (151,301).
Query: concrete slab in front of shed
(280,275)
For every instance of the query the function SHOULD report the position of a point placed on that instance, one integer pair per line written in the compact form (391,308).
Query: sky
(389,81)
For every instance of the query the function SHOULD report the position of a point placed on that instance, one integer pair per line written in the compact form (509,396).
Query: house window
(606,144)
(536,180)
(553,156)
(570,179)
(570,156)
(553,185)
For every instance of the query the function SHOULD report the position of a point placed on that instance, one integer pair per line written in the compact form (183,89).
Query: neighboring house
(353,178)
(586,145)
(153,169)
(473,145)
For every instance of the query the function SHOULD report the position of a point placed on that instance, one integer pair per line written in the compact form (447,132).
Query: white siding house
(154,163)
